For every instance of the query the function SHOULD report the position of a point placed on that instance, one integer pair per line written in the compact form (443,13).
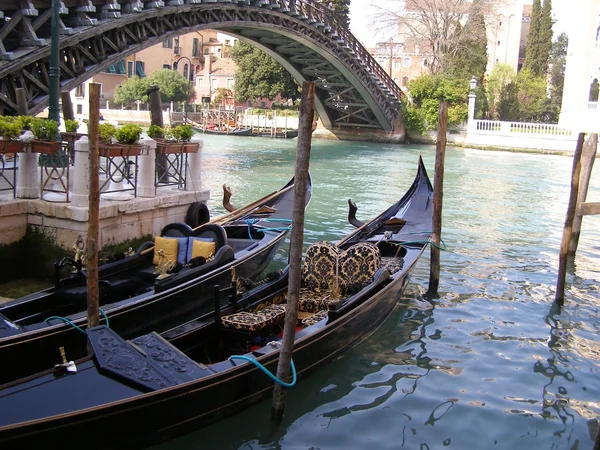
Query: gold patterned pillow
(319,269)
(357,265)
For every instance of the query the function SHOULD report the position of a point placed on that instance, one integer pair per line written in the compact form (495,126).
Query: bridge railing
(319,13)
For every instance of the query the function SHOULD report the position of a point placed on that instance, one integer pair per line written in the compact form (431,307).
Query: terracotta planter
(112,150)
(46,147)
(11,146)
(71,137)
(170,147)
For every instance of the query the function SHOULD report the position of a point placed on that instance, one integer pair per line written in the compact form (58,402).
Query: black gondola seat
(187,240)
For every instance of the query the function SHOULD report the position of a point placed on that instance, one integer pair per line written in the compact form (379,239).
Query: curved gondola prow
(420,179)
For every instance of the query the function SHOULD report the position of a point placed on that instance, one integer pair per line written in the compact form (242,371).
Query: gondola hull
(121,414)
(155,310)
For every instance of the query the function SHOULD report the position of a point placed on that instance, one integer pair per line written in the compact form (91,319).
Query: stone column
(80,194)
(28,175)
(193,179)
(146,169)
(471,118)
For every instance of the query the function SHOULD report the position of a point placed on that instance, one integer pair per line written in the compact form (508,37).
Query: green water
(488,365)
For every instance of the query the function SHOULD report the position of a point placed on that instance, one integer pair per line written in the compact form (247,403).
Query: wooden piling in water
(559,296)
(22,107)
(93,318)
(307,106)
(588,154)
(438,194)
(67,105)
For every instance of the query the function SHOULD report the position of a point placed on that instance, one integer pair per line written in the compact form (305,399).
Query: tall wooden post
(156,118)
(307,107)
(588,155)
(22,107)
(559,296)
(67,105)
(438,195)
(94,207)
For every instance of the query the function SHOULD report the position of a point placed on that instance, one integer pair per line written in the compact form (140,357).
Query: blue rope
(66,321)
(81,330)
(266,371)
(442,247)
(105,317)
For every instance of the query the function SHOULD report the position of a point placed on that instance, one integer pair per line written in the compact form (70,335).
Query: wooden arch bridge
(352,90)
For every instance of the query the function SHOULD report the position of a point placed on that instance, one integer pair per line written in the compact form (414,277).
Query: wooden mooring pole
(93,304)
(307,106)
(438,195)
(583,161)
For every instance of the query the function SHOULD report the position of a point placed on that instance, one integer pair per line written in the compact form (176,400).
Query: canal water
(491,363)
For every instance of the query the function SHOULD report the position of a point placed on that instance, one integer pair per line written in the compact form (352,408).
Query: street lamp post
(472,97)
(189,77)
(54,70)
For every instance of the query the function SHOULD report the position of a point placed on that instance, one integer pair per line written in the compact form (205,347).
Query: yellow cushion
(204,249)
(168,245)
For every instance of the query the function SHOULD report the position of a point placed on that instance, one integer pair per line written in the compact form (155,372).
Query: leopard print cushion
(358,264)
(392,264)
(247,321)
(319,269)
(311,320)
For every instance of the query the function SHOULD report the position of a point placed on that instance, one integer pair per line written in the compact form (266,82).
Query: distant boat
(287,134)
(244,131)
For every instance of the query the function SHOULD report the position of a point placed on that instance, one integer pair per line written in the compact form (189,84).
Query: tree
(502,74)
(260,76)
(341,8)
(470,59)
(437,23)
(539,39)
(426,91)
(173,87)
(558,61)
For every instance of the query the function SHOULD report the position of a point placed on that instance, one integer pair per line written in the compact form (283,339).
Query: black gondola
(132,297)
(227,132)
(159,386)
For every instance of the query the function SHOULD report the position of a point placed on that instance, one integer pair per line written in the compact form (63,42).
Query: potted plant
(178,140)
(10,129)
(70,135)
(45,132)
(126,136)
(155,132)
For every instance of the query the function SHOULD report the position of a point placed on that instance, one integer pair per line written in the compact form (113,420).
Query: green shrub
(10,128)
(44,129)
(71,126)
(128,134)
(181,133)
(154,131)
(106,131)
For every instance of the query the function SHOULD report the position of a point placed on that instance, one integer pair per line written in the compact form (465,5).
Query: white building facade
(580,107)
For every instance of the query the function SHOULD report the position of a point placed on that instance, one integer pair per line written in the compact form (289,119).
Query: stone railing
(519,128)
(540,136)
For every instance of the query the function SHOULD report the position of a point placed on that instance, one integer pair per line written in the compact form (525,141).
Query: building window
(227,42)
(406,62)
(263,104)
(185,71)
(404,81)
(80,91)
(168,43)
(191,72)
(206,51)
(425,62)
(175,66)
(396,64)
(129,69)
(80,109)
(195,51)
(229,83)
(200,80)
(213,84)
(498,42)
(594,90)
(167,66)
(139,69)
